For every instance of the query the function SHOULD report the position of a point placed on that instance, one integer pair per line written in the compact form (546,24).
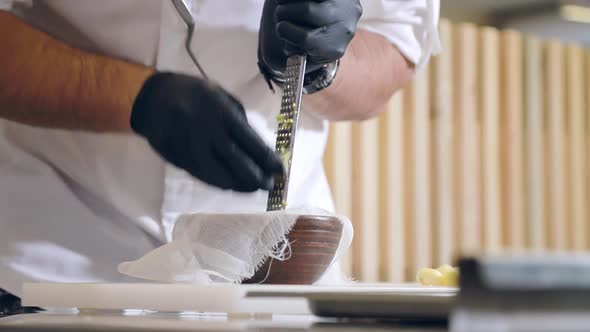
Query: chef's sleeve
(7,5)
(410,25)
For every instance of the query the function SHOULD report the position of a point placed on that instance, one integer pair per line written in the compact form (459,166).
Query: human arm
(370,72)
(193,124)
(394,37)
(47,83)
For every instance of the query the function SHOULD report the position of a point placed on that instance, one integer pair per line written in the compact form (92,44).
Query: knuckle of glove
(330,42)
(330,46)
(330,11)
(349,29)
(307,9)
(358,9)
(337,53)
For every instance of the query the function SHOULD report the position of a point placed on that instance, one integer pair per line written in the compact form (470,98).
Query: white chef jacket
(74,204)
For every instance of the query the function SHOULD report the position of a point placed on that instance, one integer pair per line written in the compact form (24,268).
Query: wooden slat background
(535,179)
(486,150)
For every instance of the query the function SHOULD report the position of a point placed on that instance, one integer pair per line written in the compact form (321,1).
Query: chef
(116,116)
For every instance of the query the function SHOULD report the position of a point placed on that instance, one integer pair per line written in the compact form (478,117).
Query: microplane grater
(289,116)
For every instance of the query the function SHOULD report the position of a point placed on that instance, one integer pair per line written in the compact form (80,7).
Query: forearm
(371,71)
(47,83)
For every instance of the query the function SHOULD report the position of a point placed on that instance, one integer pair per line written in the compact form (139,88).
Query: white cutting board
(233,299)
(156,297)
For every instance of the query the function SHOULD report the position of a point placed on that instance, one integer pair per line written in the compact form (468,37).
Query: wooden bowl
(314,240)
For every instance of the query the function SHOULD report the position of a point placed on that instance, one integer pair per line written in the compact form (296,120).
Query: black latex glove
(199,127)
(321,29)
(11,305)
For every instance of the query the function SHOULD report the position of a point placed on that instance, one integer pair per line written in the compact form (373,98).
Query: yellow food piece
(430,277)
(445,268)
(445,275)
(450,275)
(281,118)
(285,156)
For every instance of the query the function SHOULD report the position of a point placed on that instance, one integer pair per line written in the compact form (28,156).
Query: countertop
(156,322)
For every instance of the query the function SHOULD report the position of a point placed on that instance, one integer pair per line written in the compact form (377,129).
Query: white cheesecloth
(207,248)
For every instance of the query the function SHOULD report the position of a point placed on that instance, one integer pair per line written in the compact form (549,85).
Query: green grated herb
(281,118)
(285,154)
(284,122)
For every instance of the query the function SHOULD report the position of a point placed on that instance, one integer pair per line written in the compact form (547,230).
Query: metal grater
(289,115)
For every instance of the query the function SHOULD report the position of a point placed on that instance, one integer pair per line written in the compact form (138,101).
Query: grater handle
(291,49)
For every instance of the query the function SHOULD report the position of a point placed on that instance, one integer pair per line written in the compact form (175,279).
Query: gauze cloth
(208,248)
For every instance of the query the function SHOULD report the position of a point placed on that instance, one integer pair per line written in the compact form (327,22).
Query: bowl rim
(319,216)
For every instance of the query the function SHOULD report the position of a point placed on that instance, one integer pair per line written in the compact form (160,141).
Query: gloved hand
(199,127)
(321,29)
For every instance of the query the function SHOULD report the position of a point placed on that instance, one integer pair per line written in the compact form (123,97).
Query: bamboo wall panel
(445,143)
(512,136)
(338,163)
(365,209)
(487,149)
(535,151)
(391,195)
(577,149)
(587,136)
(554,80)
(490,106)
(469,132)
(408,182)
(422,166)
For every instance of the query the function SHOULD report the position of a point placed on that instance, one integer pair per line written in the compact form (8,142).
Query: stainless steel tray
(374,301)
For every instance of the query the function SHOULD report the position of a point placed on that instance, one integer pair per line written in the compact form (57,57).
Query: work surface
(139,322)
